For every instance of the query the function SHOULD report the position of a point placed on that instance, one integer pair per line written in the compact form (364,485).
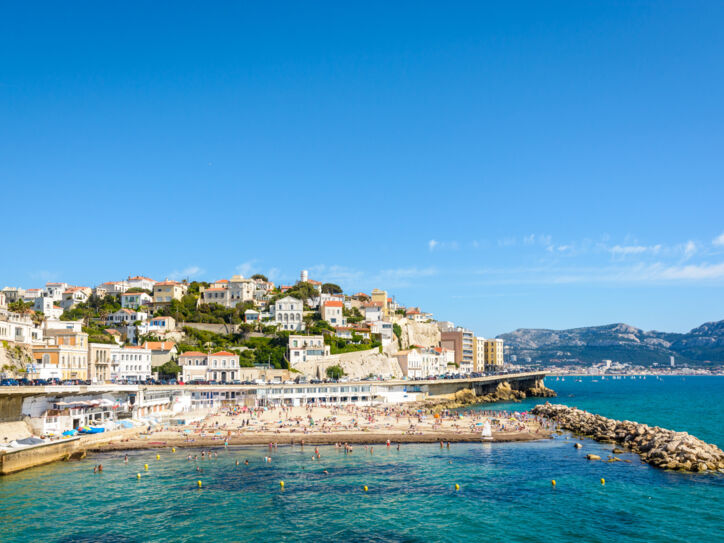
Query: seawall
(37,455)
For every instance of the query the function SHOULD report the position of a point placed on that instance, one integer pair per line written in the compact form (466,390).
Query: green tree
(335,372)
(169,369)
(260,276)
(331,288)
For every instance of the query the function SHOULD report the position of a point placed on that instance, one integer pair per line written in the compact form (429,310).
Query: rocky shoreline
(467,397)
(662,448)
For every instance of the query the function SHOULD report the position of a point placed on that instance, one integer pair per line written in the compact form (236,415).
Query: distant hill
(701,346)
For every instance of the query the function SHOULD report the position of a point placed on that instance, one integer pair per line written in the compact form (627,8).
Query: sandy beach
(327,425)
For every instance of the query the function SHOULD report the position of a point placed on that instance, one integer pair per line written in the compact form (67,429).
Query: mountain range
(701,347)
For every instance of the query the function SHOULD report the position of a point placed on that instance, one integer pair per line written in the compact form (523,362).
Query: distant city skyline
(503,167)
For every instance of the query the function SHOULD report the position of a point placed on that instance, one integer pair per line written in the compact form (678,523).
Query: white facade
(222,367)
(303,348)
(115,288)
(332,312)
(19,329)
(287,313)
(126,316)
(139,281)
(73,296)
(130,363)
(134,300)
(47,307)
(385,330)
(157,325)
(54,291)
(373,313)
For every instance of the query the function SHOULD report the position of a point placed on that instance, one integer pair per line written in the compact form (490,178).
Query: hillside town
(234,331)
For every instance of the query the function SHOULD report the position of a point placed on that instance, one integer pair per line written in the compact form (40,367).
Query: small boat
(487,433)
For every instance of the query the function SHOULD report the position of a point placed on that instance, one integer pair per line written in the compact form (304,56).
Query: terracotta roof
(112,332)
(333,303)
(193,353)
(141,278)
(222,281)
(217,289)
(373,304)
(167,283)
(313,282)
(159,345)
(222,353)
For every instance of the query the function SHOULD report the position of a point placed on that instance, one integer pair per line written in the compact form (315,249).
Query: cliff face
(356,365)
(424,334)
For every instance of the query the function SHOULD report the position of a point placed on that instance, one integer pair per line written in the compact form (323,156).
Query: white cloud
(434,245)
(246,268)
(690,272)
(689,249)
(719,240)
(628,249)
(44,275)
(187,273)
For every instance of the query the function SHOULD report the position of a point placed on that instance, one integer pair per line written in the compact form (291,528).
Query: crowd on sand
(336,424)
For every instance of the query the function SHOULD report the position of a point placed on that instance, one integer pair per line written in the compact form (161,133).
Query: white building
(373,312)
(32,294)
(385,330)
(303,348)
(19,328)
(411,363)
(47,307)
(114,288)
(73,296)
(55,291)
(157,325)
(332,312)
(125,317)
(139,281)
(134,300)
(130,363)
(287,313)
(13,294)
(222,367)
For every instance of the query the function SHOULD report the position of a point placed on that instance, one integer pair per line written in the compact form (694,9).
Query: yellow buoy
(158,457)
(603,481)
(457,486)
(145,466)
(138,475)
(553,482)
(281,484)
(198,483)
(364,488)
(173,449)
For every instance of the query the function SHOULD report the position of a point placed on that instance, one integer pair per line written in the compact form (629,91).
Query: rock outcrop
(356,365)
(423,334)
(659,447)
(502,393)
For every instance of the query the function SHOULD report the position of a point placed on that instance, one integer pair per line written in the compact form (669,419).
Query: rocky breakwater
(659,447)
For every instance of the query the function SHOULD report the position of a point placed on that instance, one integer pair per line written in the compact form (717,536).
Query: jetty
(662,448)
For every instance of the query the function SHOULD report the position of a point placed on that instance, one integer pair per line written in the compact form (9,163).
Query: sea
(504,490)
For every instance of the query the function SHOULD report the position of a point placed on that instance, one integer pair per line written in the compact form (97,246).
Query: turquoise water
(689,404)
(505,491)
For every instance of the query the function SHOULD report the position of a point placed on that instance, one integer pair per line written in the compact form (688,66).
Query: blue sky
(521,165)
